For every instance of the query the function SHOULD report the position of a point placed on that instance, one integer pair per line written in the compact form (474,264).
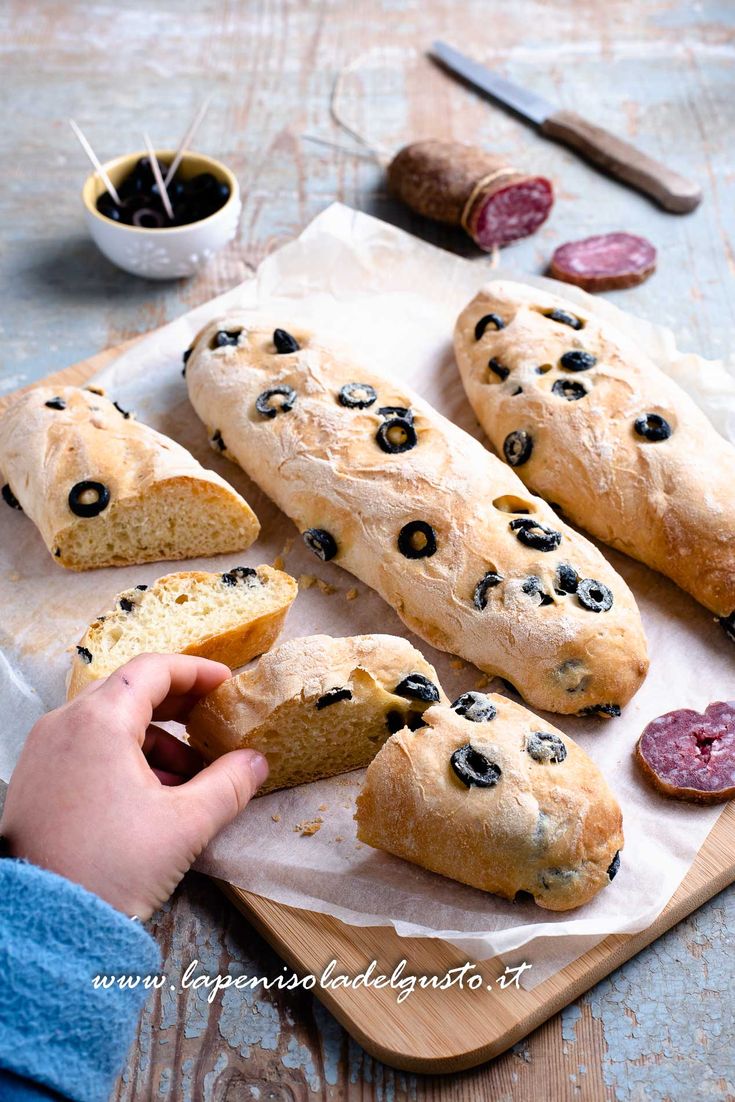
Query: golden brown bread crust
(552,829)
(235,646)
(669,503)
(274,707)
(321,463)
(45,451)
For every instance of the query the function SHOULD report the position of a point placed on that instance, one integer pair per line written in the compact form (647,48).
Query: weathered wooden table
(660,73)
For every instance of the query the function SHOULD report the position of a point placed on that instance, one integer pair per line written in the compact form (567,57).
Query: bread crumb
(276,818)
(278,563)
(325,586)
(338,838)
(457,664)
(306,581)
(352,594)
(322,807)
(310,826)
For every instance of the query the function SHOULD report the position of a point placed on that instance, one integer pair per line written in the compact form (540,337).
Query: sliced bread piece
(105,490)
(231,618)
(317,706)
(489,795)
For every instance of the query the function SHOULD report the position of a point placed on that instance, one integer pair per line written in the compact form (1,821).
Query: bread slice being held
(105,490)
(606,435)
(490,796)
(378,482)
(317,706)
(230,617)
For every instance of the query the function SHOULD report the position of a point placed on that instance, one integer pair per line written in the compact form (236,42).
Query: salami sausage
(463,185)
(607,262)
(690,755)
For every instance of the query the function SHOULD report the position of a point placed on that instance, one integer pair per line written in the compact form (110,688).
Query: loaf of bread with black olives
(317,706)
(105,490)
(487,794)
(379,482)
(592,424)
(230,618)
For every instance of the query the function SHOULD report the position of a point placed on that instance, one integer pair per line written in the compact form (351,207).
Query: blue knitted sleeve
(60,1034)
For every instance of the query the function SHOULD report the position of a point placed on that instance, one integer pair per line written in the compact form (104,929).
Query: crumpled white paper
(393,300)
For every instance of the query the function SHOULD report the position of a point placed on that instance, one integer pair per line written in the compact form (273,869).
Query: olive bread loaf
(230,617)
(487,794)
(591,423)
(105,490)
(379,482)
(317,706)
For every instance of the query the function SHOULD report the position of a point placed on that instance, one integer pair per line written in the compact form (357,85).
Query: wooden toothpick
(188,139)
(159,178)
(96,162)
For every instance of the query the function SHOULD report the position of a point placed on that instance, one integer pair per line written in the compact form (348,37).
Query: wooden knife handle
(621,159)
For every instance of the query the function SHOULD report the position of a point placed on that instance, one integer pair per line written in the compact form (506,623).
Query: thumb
(222,790)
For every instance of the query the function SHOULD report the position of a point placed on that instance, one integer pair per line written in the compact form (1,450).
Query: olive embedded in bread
(357,395)
(396,435)
(652,426)
(284,342)
(416,686)
(88,498)
(498,369)
(473,768)
(577,360)
(476,707)
(268,408)
(321,542)
(491,320)
(517,447)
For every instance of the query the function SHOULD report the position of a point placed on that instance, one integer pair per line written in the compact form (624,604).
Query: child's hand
(103,798)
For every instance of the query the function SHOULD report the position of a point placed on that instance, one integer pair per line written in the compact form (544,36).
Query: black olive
(517,447)
(85,655)
(532,586)
(608,711)
(476,707)
(107,207)
(55,403)
(148,218)
(405,413)
(125,413)
(417,687)
(262,402)
(594,596)
(727,622)
(533,533)
(126,604)
(396,435)
(217,440)
(357,395)
(487,581)
(284,342)
(569,389)
(518,390)
(614,866)
(563,318)
(332,696)
(223,338)
(239,574)
(10,499)
(142,588)
(653,427)
(396,721)
(407,544)
(499,369)
(88,508)
(567,578)
(545,747)
(473,768)
(321,543)
(187,356)
(488,319)
(578,360)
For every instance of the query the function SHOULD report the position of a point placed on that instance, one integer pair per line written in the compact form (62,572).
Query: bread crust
(300,672)
(668,503)
(45,451)
(320,462)
(235,647)
(548,828)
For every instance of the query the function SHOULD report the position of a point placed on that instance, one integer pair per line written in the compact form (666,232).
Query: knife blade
(595,144)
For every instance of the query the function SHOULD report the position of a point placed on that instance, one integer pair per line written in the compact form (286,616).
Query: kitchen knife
(607,151)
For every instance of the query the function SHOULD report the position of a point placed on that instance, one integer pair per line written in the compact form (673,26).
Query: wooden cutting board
(444,1031)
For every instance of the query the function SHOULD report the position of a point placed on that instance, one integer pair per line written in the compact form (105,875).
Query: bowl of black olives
(151,238)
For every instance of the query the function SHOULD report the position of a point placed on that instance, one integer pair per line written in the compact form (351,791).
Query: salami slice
(691,755)
(466,186)
(607,262)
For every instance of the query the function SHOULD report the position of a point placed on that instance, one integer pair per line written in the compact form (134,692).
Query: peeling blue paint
(299,1056)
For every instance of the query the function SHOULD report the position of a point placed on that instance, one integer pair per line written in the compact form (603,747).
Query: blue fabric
(56,1029)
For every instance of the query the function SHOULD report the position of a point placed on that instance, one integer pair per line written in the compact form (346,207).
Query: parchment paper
(394,300)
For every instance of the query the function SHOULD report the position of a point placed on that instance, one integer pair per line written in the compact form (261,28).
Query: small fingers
(222,790)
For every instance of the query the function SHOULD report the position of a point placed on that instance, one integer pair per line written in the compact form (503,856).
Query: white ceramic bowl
(168,253)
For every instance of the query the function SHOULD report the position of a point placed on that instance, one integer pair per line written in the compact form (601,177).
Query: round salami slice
(512,212)
(691,755)
(607,262)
